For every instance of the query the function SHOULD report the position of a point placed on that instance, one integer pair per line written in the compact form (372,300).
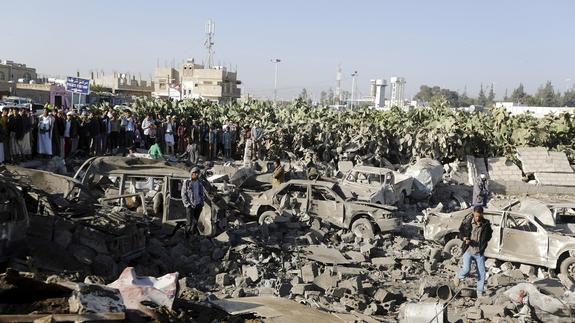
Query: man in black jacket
(475,231)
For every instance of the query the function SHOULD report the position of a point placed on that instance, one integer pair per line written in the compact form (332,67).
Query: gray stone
(383,261)
(474,313)
(355,256)
(353,284)
(528,270)
(300,289)
(96,299)
(309,272)
(384,296)
(326,281)
(348,237)
(223,280)
(251,272)
(567,281)
(515,273)
(373,309)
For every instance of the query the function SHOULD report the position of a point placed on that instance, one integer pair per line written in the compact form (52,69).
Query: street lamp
(276,61)
(353,75)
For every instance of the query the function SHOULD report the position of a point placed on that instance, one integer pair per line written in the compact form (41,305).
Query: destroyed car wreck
(325,200)
(517,237)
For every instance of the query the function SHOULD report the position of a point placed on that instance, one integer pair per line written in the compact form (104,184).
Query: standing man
(147,126)
(480,191)
(475,231)
(278,174)
(193,199)
(257,136)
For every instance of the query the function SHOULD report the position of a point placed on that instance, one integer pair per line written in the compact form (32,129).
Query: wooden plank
(64,317)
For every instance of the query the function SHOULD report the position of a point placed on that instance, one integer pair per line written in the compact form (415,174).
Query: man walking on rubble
(480,190)
(475,231)
(278,174)
(193,199)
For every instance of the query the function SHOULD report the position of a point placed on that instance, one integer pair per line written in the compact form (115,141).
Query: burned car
(517,237)
(66,228)
(150,186)
(377,185)
(325,200)
(14,219)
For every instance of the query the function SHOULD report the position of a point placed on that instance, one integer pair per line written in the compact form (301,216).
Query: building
(397,91)
(538,112)
(377,92)
(166,82)
(12,73)
(53,93)
(15,72)
(214,84)
(122,84)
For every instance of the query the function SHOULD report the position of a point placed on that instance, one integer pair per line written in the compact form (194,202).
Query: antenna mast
(209,43)
(338,94)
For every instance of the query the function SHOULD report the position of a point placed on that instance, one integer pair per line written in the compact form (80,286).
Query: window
(295,191)
(320,193)
(519,223)
(2,76)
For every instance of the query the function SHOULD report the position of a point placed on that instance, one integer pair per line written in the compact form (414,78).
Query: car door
(523,240)
(326,205)
(297,195)
(494,244)
(174,209)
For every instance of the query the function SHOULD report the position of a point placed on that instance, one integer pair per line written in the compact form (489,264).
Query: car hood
(368,205)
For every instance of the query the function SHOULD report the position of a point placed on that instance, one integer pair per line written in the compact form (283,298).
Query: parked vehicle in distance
(517,237)
(377,185)
(325,200)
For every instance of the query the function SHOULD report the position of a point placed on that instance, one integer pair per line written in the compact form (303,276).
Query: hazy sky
(453,44)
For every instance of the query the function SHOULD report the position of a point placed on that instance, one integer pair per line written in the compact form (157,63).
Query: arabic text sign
(78,85)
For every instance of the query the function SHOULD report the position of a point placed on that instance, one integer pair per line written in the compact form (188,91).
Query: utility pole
(276,61)
(353,75)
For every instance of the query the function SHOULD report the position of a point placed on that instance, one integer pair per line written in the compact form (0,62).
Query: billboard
(77,85)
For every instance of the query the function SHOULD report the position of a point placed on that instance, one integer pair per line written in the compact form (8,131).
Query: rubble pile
(92,261)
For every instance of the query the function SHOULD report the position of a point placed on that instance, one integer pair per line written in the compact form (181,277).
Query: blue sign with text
(77,85)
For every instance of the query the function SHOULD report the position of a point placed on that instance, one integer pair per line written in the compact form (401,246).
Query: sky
(452,44)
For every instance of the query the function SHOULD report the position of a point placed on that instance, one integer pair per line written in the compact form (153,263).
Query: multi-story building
(215,84)
(10,71)
(122,84)
(397,91)
(165,80)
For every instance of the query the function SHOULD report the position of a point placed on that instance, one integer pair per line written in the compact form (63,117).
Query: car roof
(313,182)
(137,166)
(371,169)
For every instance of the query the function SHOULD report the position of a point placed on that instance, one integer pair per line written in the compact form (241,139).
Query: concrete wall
(520,187)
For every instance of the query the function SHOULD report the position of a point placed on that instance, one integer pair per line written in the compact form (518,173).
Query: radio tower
(338,94)
(209,43)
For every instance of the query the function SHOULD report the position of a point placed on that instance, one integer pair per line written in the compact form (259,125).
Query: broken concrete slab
(422,312)
(308,272)
(96,299)
(275,309)
(325,255)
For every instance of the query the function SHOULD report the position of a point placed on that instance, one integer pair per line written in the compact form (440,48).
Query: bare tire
(453,248)
(268,217)
(568,267)
(362,228)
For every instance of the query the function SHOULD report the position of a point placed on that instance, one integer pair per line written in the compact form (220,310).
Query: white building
(538,112)
(377,93)
(397,91)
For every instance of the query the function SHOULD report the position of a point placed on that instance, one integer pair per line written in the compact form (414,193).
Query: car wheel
(568,267)
(268,217)
(453,248)
(362,228)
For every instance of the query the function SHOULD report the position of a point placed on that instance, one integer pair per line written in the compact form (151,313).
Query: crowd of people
(59,132)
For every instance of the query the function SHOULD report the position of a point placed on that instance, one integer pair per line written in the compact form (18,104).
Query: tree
(330,96)
(323,98)
(481,99)
(518,95)
(568,99)
(546,96)
(491,96)
(304,95)
(427,94)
